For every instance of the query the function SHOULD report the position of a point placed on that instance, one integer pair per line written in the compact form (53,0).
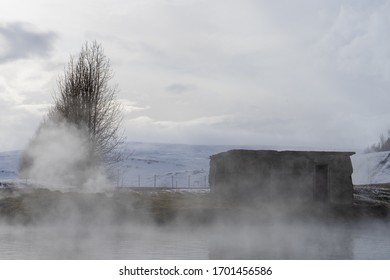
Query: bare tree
(86,99)
(79,135)
(382,145)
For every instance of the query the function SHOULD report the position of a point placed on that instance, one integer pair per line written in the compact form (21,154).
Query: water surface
(368,240)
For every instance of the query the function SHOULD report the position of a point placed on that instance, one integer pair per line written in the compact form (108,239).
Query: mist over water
(78,215)
(134,225)
(366,240)
(51,242)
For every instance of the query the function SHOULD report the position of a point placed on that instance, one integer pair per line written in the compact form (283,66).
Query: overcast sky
(289,73)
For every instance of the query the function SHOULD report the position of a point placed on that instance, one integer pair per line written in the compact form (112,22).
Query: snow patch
(371,168)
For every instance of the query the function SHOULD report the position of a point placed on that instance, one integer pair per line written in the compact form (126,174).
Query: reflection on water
(269,241)
(372,241)
(48,242)
(280,241)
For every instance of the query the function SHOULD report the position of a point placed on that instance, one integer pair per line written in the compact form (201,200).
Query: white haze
(59,156)
(243,235)
(91,225)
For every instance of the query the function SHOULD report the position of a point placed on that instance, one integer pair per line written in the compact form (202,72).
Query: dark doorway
(321,188)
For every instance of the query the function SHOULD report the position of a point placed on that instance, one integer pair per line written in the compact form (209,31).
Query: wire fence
(163,181)
(169,181)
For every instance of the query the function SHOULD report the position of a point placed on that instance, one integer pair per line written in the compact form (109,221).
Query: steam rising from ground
(122,224)
(59,157)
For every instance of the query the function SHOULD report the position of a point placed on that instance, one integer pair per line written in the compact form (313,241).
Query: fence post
(155,178)
(139,181)
(189,180)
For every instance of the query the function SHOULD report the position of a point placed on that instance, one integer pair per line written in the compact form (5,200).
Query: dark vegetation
(372,195)
(382,146)
(38,205)
(163,207)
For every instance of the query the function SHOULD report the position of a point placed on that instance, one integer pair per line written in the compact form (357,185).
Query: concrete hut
(290,176)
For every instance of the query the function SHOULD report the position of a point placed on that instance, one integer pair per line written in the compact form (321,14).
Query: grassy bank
(162,207)
(120,206)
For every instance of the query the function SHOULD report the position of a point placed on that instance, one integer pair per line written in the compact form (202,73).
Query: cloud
(178,88)
(20,41)
(37,109)
(168,131)
(358,41)
(281,71)
(8,94)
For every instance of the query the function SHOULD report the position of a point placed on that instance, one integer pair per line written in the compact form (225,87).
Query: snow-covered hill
(173,165)
(147,165)
(9,162)
(166,165)
(372,168)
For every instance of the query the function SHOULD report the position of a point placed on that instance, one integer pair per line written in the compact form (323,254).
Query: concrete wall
(289,176)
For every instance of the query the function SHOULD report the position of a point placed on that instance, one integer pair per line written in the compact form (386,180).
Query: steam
(123,224)
(58,157)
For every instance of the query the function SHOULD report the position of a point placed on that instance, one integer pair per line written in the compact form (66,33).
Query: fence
(162,181)
(175,181)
